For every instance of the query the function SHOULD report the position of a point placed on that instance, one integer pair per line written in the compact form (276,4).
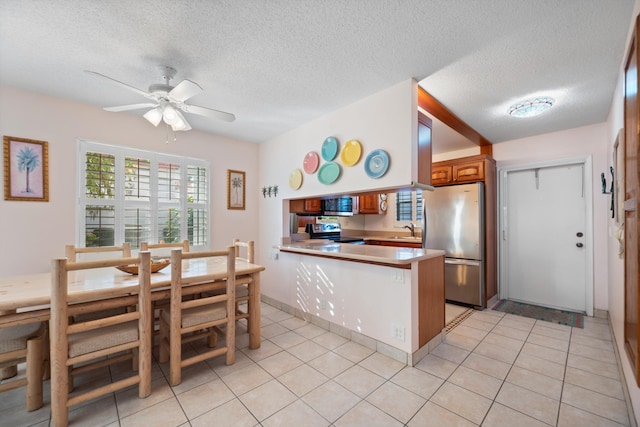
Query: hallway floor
(493,369)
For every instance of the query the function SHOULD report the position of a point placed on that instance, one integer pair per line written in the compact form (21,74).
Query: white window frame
(119,203)
(414,210)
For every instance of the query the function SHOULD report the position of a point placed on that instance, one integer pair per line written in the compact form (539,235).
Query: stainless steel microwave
(340,206)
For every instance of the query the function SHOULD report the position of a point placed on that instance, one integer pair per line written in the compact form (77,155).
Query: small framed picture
(26,170)
(235,190)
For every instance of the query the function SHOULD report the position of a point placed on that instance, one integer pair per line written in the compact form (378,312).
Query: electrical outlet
(323,304)
(397,275)
(397,332)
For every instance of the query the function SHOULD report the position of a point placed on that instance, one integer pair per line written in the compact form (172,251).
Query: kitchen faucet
(412,228)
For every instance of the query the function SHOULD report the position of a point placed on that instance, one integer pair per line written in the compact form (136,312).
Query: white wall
(386,120)
(35,232)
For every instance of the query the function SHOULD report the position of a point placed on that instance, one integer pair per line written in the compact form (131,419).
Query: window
(128,195)
(409,206)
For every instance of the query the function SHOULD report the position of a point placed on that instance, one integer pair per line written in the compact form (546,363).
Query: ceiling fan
(168,101)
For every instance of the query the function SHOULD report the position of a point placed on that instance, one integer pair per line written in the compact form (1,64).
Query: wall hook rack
(271,190)
(604,181)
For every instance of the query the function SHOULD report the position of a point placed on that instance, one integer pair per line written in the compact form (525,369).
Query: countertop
(367,253)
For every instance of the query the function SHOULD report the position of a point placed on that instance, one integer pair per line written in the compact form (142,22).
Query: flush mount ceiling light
(531,107)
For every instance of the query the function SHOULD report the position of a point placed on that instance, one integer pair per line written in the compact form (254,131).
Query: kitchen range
(330,231)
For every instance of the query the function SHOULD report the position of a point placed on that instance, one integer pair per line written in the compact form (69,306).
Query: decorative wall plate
(376,164)
(311,162)
(295,179)
(351,152)
(329,148)
(328,173)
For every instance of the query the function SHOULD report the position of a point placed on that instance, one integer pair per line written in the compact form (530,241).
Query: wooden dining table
(25,299)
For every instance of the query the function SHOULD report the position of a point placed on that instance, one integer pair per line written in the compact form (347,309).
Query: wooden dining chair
(184,245)
(24,343)
(72,251)
(245,252)
(163,303)
(94,343)
(199,318)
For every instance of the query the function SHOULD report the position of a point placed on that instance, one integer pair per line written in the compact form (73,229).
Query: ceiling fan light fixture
(180,123)
(154,116)
(531,107)
(170,115)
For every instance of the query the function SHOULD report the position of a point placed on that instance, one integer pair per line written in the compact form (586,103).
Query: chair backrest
(178,282)
(146,246)
(71,251)
(62,329)
(248,250)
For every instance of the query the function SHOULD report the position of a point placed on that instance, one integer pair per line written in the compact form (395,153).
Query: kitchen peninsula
(390,296)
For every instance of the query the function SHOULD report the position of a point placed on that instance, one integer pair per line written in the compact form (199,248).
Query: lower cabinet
(397,244)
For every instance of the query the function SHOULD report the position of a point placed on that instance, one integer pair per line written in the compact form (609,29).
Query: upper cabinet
(372,204)
(305,206)
(458,171)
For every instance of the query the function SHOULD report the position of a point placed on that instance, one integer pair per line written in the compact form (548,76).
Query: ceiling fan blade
(130,107)
(208,112)
(119,83)
(185,90)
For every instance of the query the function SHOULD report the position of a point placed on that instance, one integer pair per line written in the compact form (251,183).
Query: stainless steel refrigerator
(454,217)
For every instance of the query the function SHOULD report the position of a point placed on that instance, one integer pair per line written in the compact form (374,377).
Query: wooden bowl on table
(156,265)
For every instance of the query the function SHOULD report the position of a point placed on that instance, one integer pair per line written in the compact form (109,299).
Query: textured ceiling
(279,64)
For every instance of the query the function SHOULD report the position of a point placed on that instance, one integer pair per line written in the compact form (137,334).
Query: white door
(544,242)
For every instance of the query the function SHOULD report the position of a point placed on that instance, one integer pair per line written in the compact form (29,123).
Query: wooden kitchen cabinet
(456,171)
(305,206)
(312,205)
(416,245)
(370,204)
(441,175)
(469,172)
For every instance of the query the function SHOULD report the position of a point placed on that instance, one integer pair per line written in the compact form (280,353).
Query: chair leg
(175,358)
(230,341)
(35,355)
(163,351)
(60,388)
(46,349)
(134,359)
(212,342)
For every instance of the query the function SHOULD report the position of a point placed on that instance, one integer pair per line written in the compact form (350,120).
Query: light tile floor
(492,370)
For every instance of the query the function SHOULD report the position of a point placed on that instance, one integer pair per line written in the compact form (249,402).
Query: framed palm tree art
(235,190)
(26,170)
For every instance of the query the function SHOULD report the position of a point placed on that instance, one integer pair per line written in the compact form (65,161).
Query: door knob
(579,245)
(579,234)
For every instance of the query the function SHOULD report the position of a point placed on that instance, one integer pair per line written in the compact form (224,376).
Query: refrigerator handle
(424,225)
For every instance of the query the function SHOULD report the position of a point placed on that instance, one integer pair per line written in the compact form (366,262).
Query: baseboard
(379,346)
